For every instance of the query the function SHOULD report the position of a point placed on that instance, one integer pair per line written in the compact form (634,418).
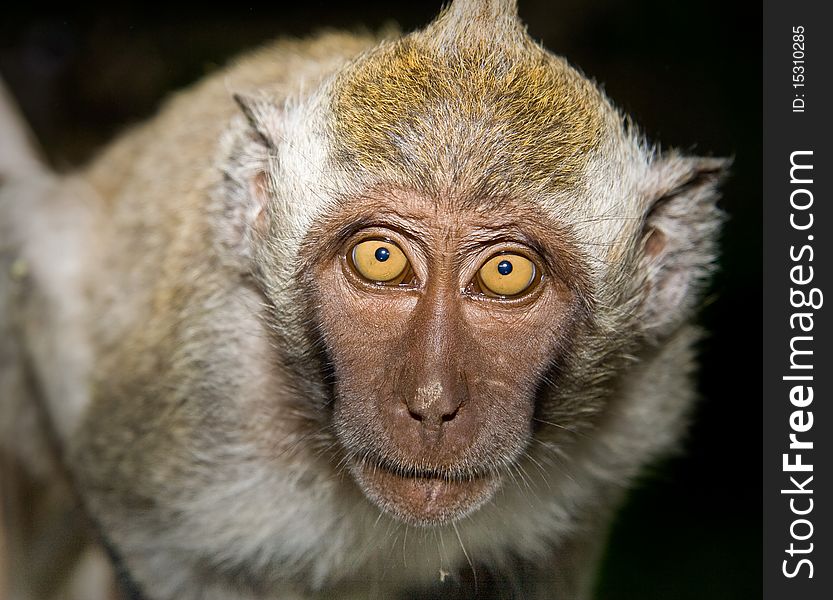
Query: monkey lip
(425,498)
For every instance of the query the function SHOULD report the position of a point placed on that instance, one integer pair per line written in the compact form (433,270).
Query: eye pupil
(504,267)
(382,254)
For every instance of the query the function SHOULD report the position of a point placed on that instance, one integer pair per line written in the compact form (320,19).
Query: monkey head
(482,244)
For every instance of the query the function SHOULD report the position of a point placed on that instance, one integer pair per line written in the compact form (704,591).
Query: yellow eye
(379,261)
(506,275)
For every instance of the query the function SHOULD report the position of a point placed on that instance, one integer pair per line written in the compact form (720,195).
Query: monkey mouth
(423,497)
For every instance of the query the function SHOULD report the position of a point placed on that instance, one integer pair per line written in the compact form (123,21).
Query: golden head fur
(469,103)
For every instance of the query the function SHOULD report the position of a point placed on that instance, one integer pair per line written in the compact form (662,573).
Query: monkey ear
(261,115)
(247,185)
(679,236)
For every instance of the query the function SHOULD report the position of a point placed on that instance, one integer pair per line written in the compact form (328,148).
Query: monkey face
(439,322)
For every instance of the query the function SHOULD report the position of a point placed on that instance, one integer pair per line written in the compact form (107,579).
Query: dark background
(690,75)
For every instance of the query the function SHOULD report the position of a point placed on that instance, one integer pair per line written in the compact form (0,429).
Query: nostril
(449,416)
(414,415)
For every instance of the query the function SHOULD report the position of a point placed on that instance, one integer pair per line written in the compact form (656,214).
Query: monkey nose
(434,404)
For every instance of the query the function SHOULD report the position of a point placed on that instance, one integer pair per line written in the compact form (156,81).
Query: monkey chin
(424,499)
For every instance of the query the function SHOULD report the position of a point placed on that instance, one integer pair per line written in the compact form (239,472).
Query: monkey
(359,316)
